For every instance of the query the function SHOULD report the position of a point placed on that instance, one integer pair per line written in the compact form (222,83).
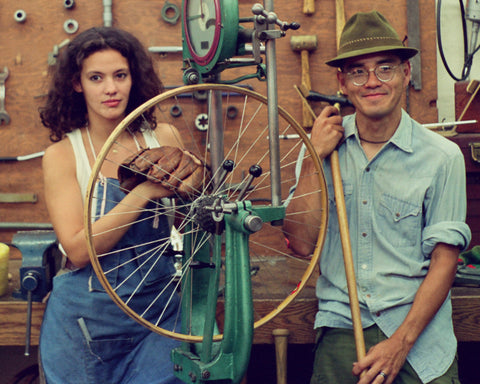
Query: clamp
(41,259)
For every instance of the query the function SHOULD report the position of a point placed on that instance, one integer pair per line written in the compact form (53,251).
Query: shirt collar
(402,137)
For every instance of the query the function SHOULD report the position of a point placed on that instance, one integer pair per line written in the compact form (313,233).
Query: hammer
(305,44)
(309,7)
(342,101)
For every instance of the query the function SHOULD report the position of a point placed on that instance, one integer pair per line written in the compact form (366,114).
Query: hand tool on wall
(413,28)
(52,56)
(281,343)
(4,116)
(339,19)
(107,13)
(18,198)
(14,225)
(305,44)
(308,7)
(22,158)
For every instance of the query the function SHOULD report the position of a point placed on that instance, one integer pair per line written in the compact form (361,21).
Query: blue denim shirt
(400,204)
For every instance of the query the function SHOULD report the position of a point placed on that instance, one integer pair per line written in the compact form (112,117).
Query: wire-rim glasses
(383,72)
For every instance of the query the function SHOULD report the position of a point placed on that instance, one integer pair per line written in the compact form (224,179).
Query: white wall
(452,41)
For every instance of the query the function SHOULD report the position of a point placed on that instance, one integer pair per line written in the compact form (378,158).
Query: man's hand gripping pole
(338,102)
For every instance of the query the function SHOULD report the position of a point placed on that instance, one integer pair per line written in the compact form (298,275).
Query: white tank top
(82,164)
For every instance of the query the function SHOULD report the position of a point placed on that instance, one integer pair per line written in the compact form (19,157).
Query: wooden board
(298,318)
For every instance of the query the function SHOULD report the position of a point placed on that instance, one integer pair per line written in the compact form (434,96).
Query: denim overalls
(87,339)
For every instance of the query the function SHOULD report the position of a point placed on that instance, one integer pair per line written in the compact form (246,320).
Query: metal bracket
(475,152)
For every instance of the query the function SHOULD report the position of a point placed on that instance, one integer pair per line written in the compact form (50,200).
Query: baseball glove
(176,170)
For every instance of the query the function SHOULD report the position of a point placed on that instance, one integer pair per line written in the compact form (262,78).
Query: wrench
(4,116)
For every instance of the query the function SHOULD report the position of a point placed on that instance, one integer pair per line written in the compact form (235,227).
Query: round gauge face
(202,25)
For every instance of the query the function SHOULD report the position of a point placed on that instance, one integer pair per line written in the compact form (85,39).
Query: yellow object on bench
(4,256)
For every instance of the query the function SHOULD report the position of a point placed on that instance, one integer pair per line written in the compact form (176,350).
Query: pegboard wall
(31,30)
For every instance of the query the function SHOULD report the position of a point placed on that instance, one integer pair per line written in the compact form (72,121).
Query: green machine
(212,37)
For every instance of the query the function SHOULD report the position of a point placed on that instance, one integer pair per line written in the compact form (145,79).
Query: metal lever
(255,171)
(271,18)
(227,167)
(475,152)
(30,283)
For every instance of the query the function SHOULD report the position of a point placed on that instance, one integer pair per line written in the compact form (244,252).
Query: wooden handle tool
(305,44)
(281,344)
(309,7)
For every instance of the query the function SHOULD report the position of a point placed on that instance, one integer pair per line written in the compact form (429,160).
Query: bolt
(205,374)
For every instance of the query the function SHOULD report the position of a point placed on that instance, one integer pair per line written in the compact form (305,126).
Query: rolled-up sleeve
(449,232)
(446,206)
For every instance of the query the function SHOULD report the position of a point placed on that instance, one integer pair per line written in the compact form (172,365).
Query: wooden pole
(281,344)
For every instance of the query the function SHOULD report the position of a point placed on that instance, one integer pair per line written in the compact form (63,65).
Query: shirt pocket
(400,221)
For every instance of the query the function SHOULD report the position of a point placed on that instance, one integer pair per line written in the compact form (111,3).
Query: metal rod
(23,226)
(215,129)
(448,124)
(29,323)
(107,13)
(273,114)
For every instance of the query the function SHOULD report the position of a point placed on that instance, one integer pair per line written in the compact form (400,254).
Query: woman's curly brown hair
(66,110)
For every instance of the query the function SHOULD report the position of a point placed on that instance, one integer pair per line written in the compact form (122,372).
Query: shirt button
(368,296)
(397,214)
(364,266)
(364,234)
(367,169)
(364,202)
(377,314)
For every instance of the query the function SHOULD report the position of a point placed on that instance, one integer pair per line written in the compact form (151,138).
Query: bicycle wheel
(240,136)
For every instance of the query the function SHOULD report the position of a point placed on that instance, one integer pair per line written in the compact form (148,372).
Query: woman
(101,76)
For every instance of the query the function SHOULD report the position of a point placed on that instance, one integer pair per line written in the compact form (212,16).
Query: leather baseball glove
(175,169)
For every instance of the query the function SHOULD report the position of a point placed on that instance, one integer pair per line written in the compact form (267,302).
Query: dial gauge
(202,25)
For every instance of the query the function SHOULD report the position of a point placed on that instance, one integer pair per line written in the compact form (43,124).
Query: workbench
(298,317)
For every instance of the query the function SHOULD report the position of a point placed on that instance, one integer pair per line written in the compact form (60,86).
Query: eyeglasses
(383,72)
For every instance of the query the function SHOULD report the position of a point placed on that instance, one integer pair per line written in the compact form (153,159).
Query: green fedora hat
(369,32)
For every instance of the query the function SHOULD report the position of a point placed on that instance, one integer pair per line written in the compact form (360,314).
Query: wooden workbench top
(298,317)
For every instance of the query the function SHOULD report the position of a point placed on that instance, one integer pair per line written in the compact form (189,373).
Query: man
(405,196)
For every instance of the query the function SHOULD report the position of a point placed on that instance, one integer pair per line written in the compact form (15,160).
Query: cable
(467,58)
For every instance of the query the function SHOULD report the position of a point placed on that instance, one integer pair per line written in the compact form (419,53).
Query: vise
(41,259)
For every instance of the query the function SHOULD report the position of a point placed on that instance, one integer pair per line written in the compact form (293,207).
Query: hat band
(368,42)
